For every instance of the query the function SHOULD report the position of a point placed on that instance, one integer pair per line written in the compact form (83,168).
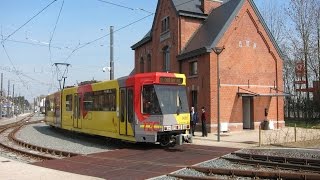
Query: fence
(287,135)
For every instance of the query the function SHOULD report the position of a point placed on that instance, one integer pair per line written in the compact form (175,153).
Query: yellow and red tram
(148,107)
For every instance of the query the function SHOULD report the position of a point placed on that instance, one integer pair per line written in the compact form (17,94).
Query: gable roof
(144,40)
(212,30)
(189,8)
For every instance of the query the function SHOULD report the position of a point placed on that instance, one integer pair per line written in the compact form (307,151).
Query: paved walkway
(243,139)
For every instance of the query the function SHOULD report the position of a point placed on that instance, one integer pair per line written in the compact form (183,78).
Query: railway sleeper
(257,174)
(280,159)
(275,165)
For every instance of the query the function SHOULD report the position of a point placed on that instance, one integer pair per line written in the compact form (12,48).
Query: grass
(310,123)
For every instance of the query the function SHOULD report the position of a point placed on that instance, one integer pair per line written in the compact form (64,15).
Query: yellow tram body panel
(67,107)
(126,108)
(99,122)
(49,110)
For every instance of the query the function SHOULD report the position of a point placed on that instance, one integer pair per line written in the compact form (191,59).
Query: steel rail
(275,164)
(18,151)
(42,149)
(193,177)
(4,126)
(257,174)
(280,159)
(18,125)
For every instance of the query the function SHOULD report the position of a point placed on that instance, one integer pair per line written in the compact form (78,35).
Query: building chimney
(208,5)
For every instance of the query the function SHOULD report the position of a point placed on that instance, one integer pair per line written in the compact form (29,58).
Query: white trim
(216,1)
(238,124)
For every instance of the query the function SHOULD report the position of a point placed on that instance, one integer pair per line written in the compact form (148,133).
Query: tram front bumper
(183,138)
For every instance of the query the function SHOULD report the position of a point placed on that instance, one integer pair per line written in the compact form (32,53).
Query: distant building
(182,38)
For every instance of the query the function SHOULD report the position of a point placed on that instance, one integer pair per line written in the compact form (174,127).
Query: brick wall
(249,61)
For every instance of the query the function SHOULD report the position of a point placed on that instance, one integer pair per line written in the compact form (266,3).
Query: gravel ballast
(46,136)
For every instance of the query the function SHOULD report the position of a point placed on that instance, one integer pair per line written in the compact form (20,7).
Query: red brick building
(182,39)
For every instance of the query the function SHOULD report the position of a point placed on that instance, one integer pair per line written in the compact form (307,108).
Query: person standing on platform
(203,122)
(193,120)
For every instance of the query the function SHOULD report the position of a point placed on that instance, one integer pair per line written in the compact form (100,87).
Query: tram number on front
(151,126)
(171,80)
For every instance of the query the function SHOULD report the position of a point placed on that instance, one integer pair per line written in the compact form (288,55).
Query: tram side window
(47,103)
(104,100)
(69,102)
(109,100)
(88,101)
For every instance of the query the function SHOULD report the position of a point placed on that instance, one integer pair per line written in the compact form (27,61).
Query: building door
(247,114)
(77,111)
(126,112)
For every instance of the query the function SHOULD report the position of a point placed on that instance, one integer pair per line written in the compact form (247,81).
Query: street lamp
(218,50)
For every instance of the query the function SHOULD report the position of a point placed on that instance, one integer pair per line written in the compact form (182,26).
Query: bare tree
(297,33)
(303,15)
(272,12)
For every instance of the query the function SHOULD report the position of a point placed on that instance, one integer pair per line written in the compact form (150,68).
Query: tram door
(77,111)
(126,112)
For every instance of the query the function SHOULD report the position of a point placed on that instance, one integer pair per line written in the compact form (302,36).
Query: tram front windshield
(164,99)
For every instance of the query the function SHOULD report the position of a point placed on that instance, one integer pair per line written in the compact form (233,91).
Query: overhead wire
(54,29)
(79,46)
(50,42)
(28,21)
(122,6)
(115,4)
(73,51)
(15,69)
(90,42)
(30,43)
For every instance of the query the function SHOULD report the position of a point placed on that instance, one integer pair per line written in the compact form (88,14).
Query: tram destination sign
(171,80)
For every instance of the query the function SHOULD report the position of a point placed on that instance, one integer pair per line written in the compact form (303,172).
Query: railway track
(289,163)
(210,173)
(27,151)
(262,166)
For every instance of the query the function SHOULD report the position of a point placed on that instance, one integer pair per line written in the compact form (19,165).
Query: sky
(72,27)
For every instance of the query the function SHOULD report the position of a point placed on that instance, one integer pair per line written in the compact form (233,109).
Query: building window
(166,59)
(149,63)
(193,68)
(141,65)
(194,99)
(165,24)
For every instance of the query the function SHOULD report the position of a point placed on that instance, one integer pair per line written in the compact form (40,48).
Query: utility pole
(1,95)
(111,54)
(34,104)
(8,101)
(13,109)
